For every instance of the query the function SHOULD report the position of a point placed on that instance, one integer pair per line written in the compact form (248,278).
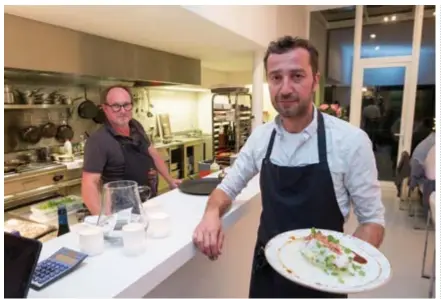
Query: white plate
(283,254)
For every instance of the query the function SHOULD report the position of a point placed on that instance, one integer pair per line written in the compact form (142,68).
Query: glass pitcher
(120,205)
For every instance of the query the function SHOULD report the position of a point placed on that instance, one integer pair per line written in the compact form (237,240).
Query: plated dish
(328,261)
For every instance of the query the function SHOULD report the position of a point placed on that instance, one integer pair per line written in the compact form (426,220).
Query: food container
(48,209)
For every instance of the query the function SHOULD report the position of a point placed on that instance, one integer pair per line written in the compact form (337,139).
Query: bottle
(63,224)
(214,167)
(68,148)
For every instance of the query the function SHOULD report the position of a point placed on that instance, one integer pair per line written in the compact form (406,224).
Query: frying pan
(199,186)
(87,109)
(100,117)
(64,132)
(31,134)
(48,130)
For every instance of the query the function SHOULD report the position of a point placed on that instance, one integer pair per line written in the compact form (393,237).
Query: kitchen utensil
(64,132)
(31,134)
(120,205)
(48,130)
(284,254)
(199,186)
(87,109)
(100,117)
(9,95)
(43,154)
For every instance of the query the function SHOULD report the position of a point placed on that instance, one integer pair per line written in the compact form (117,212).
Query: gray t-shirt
(103,152)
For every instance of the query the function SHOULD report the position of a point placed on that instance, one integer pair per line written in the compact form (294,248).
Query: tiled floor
(403,246)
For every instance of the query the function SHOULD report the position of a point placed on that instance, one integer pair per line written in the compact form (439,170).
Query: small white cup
(159,225)
(91,240)
(152,206)
(134,238)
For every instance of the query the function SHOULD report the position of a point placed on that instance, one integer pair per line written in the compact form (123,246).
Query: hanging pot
(100,118)
(64,132)
(31,134)
(48,130)
(87,109)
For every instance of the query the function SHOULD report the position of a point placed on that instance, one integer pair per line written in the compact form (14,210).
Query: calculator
(55,267)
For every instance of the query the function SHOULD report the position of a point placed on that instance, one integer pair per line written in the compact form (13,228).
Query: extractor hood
(44,52)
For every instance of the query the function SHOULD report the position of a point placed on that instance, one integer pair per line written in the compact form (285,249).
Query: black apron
(293,198)
(137,164)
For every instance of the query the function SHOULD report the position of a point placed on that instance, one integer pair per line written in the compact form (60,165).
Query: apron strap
(321,138)
(270,145)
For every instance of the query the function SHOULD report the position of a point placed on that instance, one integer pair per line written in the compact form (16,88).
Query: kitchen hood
(40,51)
(13,75)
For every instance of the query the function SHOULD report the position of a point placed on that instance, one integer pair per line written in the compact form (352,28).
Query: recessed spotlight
(434,13)
(386,19)
(393,18)
(377,48)
(373,35)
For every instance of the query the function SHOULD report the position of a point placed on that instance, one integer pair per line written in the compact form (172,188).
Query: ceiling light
(386,19)
(373,35)
(434,13)
(394,18)
(377,48)
(364,89)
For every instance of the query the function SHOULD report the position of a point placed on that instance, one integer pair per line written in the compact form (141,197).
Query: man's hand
(372,233)
(174,183)
(208,235)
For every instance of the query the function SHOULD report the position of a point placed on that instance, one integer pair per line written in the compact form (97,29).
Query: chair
(431,216)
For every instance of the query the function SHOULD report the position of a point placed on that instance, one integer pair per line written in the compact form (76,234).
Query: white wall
(394,40)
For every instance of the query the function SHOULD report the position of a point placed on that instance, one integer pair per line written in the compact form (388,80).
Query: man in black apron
(293,197)
(120,150)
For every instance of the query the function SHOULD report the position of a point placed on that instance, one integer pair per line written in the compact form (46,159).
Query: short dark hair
(107,89)
(288,43)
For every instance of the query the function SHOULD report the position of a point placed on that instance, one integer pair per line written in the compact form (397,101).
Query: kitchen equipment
(31,134)
(59,264)
(64,132)
(120,205)
(87,109)
(100,117)
(9,95)
(43,154)
(199,186)
(49,129)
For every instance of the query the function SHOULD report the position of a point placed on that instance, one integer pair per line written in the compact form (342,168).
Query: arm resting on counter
(160,165)
(218,203)
(90,191)
(372,233)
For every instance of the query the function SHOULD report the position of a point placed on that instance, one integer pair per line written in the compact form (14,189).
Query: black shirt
(103,153)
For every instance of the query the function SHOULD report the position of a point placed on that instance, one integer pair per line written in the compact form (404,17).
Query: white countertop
(112,274)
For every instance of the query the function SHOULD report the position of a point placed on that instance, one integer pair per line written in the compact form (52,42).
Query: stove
(36,166)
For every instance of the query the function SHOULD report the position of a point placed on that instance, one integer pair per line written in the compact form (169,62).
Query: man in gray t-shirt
(120,150)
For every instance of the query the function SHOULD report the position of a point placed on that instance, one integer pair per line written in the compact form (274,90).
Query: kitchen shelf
(29,107)
(237,115)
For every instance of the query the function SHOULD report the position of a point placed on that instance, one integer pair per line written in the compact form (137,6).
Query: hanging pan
(64,132)
(87,109)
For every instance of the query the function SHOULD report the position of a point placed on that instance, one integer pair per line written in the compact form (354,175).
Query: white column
(258,80)
(357,71)
(409,103)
